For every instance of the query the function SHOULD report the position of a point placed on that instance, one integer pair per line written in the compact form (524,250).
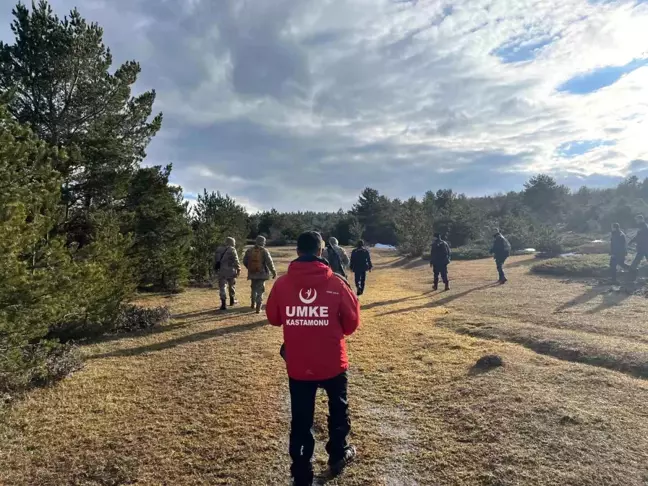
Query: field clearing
(204,400)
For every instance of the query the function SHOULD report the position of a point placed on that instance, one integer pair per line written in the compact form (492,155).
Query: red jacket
(316,309)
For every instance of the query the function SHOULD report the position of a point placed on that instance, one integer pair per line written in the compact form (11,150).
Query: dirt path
(204,400)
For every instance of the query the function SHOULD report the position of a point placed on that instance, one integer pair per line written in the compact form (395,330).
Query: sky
(300,104)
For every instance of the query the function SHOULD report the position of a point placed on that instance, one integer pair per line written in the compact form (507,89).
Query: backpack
(255,261)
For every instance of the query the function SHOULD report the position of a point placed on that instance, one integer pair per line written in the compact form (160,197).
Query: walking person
(618,251)
(440,256)
(336,256)
(501,250)
(360,264)
(317,309)
(641,240)
(260,267)
(228,268)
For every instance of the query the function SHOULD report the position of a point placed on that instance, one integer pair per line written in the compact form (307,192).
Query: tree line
(83,225)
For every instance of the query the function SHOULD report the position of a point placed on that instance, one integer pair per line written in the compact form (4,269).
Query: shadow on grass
(611,298)
(441,302)
(127,335)
(521,263)
(179,341)
(214,314)
(406,263)
(383,303)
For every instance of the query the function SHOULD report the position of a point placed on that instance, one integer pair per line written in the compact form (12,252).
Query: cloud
(300,104)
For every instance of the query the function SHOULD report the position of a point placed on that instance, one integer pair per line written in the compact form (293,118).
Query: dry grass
(204,399)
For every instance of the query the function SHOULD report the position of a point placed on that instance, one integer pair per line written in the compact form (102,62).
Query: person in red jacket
(317,309)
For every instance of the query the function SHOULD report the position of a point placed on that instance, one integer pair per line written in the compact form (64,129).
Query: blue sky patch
(572,149)
(600,78)
(520,51)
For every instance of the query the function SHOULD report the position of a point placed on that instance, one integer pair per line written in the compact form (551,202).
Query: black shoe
(302,477)
(447,287)
(258,308)
(336,468)
(233,301)
(435,288)
(223,306)
(253,306)
(302,482)
(503,281)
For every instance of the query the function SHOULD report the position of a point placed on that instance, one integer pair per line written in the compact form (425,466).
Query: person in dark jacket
(641,240)
(360,265)
(317,310)
(439,260)
(618,251)
(501,250)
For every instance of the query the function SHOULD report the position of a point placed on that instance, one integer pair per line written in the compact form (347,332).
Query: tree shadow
(443,301)
(521,263)
(590,294)
(107,338)
(214,314)
(383,303)
(406,263)
(191,338)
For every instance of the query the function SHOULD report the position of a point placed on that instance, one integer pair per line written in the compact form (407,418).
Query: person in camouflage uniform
(228,269)
(260,267)
(336,256)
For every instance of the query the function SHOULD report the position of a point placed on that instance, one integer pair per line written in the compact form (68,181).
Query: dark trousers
(302,405)
(499,262)
(440,270)
(638,259)
(616,261)
(360,279)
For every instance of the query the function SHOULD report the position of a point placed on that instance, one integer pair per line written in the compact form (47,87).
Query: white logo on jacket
(311,295)
(311,315)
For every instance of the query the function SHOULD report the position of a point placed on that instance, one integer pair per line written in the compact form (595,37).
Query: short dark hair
(616,226)
(309,243)
(360,243)
(437,235)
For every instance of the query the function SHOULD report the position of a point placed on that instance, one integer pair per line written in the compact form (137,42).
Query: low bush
(134,318)
(471,253)
(591,248)
(36,365)
(574,266)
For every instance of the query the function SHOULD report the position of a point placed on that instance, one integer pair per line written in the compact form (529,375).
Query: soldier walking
(228,269)
(260,267)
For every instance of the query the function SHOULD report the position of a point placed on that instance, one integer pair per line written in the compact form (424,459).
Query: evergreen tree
(57,78)
(412,229)
(160,228)
(215,217)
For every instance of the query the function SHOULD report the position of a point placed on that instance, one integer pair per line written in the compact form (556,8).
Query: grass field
(204,400)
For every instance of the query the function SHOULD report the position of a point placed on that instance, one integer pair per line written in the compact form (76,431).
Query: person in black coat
(439,260)
(501,251)
(618,251)
(360,265)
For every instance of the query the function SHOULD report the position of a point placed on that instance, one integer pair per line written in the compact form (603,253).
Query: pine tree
(160,227)
(215,217)
(57,78)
